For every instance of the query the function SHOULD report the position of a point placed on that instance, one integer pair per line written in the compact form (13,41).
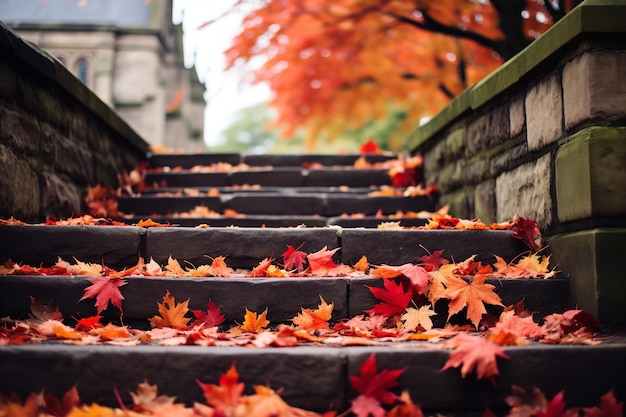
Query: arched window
(82,70)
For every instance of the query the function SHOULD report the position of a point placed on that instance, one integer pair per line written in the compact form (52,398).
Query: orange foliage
(334,65)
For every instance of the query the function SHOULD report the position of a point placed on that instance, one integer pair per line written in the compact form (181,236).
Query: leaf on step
(41,312)
(261,269)
(105,290)
(173,268)
(407,408)
(213,316)
(473,295)
(61,408)
(225,396)
(414,317)
(317,319)
(433,260)
(146,398)
(254,322)
(525,403)
(219,268)
(394,299)
(171,314)
(293,257)
(362,264)
(374,385)
(88,323)
(322,260)
(528,232)
(609,407)
(474,353)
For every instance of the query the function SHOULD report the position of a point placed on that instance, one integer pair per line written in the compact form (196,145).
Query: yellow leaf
(173,268)
(314,319)
(413,317)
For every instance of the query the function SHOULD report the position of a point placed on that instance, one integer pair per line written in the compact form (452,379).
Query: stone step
(271,177)
(315,377)
(186,161)
(260,203)
(120,246)
(350,296)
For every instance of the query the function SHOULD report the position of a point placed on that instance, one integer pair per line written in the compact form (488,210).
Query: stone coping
(12,46)
(314,377)
(592,17)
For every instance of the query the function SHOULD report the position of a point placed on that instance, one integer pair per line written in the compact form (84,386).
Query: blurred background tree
(346,70)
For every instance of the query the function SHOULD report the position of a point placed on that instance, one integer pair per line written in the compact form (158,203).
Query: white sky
(224,94)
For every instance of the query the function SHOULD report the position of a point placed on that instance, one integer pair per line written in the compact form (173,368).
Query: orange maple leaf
(312,320)
(171,314)
(474,353)
(473,295)
(226,395)
(254,322)
(218,268)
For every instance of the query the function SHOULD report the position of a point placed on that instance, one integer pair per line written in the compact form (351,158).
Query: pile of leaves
(226,398)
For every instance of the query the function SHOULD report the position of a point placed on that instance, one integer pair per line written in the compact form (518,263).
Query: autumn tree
(335,65)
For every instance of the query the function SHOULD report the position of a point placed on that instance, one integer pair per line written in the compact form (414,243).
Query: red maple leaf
(374,386)
(105,290)
(89,323)
(474,353)
(609,407)
(556,408)
(225,396)
(61,408)
(261,269)
(394,298)
(213,317)
(433,260)
(369,147)
(528,231)
(293,257)
(322,259)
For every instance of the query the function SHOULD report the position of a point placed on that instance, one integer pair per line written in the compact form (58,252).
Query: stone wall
(544,137)
(56,137)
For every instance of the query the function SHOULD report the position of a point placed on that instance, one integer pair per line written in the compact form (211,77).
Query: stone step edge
(121,246)
(314,378)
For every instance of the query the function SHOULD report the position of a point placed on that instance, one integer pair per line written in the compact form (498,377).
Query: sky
(225,94)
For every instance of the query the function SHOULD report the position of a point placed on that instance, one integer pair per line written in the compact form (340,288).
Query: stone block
(451,177)
(461,203)
(476,170)
(485,207)
(525,192)
(59,197)
(346,177)
(72,159)
(243,248)
(190,160)
(188,179)
(20,187)
(591,259)
(544,112)
(8,87)
(594,87)
(20,131)
(275,204)
(397,247)
(276,177)
(517,117)
(312,378)
(149,205)
(455,143)
(337,205)
(591,175)
(508,159)
(488,130)
(115,246)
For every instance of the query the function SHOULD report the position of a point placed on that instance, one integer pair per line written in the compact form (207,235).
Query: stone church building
(129,53)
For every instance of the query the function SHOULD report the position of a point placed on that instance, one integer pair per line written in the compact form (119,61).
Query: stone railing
(56,136)
(543,137)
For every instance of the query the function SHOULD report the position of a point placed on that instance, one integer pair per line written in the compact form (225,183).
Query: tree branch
(433,25)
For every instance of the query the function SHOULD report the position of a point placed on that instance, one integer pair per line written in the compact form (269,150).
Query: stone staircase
(276,202)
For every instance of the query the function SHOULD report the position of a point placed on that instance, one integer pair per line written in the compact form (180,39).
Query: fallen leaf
(293,258)
(414,317)
(219,268)
(253,322)
(528,232)
(609,407)
(374,384)
(213,316)
(171,314)
(41,312)
(105,290)
(227,394)
(321,260)
(146,398)
(394,298)
(473,295)
(312,320)
(474,353)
